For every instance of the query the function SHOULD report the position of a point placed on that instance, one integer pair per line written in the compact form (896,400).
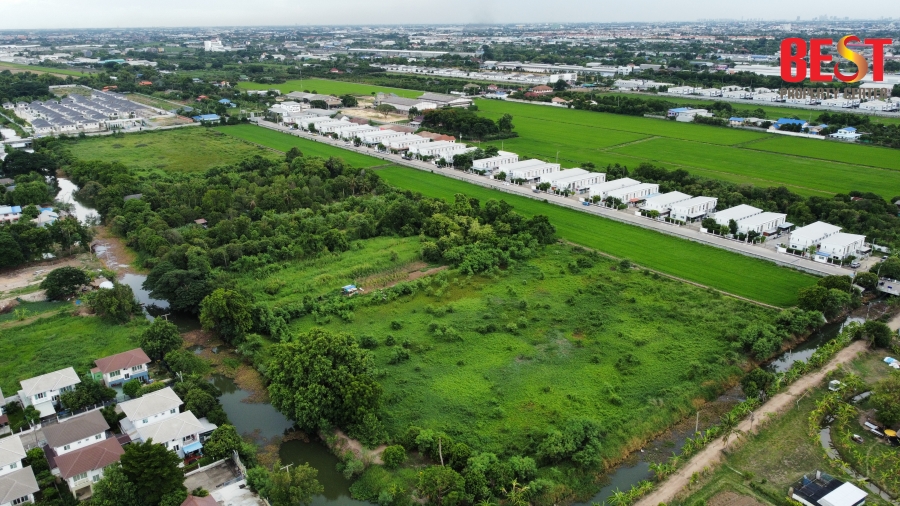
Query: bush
(393,456)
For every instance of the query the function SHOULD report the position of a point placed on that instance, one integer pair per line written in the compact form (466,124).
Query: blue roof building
(206,117)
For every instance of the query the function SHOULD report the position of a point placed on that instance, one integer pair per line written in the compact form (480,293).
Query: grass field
(284,142)
(193,149)
(328,87)
(56,342)
(539,344)
(856,154)
(720,269)
(15,68)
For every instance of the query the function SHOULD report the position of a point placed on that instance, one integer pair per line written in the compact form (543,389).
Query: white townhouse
(494,163)
(693,209)
(148,409)
(736,213)
(683,90)
(440,149)
(179,433)
(530,170)
(763,223)
(742,94)
(80,448)
(43,391)
(304,123)
(356,130)
(842,245)
(332,126)
(115,370)
(382,136)
(576,179)
(634,193)
(812,234)
(662,203)
(408,141)
(603,189)
(17,482)
(709,92)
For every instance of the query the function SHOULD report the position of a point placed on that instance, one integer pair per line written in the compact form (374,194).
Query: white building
(406,104)
(768,97)
(574,179)
(762,223)
(633,194)
(116,369)
(841,101)
(440,149)
(17,482)
(530,170)
(408,142)
(330,127)
(709,92)
(693,209)
(847,134)
(662,203)
(736,213)
(841,245)
(356,130)
(43,391)
(381,136)
(683,90)
(81,449)
(179,433)
(879,105)
(495,163)
(76,433)
(148,409)
(603,189)
(812,235)
(741,94)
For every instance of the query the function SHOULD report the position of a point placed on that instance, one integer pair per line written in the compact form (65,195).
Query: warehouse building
(736,213)
(530,170)
(495,163)
(840,245)
(634,193)
(812,235)
(440,149)
(408,142)
(762,223)
(663,202)
(575,180)
(693,209)
(602,190)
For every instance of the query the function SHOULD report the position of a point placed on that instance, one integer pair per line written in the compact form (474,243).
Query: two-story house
(43,391)
(17,482)
(150,408)
(156,416)
(115,370)
(80,448)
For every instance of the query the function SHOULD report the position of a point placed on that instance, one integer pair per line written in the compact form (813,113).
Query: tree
(732,227)
(884,398)
(160,338)
(393,456)
(153,470)
(10,252)
(293,153)
(756,381)
(878,333)
(318,104)
(115,489)
(505,123)
(440,484)
(867,280)
(200,403)
(186,362)
(890,268)
(64,281)
(292,486)
(349,101)
(227,313)
(223,441)
(131,388)
(116,304)
(87,393)
(560,85)
(323,379)
(385,109)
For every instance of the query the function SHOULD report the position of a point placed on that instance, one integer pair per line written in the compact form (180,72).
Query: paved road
(571,202)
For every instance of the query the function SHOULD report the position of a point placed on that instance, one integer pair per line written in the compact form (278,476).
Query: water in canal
(804,350)
(66,194)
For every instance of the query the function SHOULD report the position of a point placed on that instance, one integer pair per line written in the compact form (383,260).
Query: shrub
(393,456)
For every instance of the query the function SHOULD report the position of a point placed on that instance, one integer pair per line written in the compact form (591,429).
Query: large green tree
(441,485)
(884,398)
(87,393)
(160,338)
(227,313)
(116,304)
(153,470)
(115,489)
(323,379)
(64,282)
(286,485)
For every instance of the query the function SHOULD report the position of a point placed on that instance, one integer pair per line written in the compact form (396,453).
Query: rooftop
(737,213)
(75,429)
(51,381)
(150,404)
(842,239)
(614,184)
(667,198)
(17,484)
(11,450)
(119,361)
(816,230)
(89,458)
(176,427)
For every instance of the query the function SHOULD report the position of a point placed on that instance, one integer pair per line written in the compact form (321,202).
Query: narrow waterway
(804,350)
(66,194)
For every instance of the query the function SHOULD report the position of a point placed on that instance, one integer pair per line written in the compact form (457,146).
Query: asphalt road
(628,216)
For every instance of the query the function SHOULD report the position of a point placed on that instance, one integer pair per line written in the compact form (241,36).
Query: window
(21,500)
(137,368)
(114,374)
(79,477)
(67,447)
(42,395)
(14,465)
(96,477)
(98,436)
(172,411)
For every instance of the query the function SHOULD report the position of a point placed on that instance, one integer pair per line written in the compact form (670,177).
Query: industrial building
(663,202)
(812,235)
(602,190)
(693,209)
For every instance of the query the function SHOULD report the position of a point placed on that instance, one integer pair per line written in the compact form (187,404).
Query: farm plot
(800,174)
(855,154)
(720,269)
(328,87)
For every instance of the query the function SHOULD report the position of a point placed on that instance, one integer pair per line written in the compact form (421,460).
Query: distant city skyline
(63,14)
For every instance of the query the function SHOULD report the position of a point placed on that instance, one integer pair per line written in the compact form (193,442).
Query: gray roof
(75,429)
(51,381)
(17,484)
(11,450)
(175,427)
(151,404)
(409,102)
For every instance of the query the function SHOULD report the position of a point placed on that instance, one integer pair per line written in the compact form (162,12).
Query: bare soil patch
(409,272)
(111,250)
(729,498)
(35,272)
(344,443)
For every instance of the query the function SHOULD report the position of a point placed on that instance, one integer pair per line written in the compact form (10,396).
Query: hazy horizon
(94,14)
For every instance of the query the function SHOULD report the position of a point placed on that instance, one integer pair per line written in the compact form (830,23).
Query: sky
(34,14)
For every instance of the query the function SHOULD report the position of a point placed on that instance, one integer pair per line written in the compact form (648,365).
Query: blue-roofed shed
(206,117)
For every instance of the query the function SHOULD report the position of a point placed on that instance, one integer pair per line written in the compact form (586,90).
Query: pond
(263,421)
(66,194)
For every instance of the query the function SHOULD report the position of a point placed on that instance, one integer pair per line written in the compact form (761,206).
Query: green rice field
(730,272)
(328,87)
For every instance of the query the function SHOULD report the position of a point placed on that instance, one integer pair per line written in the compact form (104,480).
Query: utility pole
(697,423)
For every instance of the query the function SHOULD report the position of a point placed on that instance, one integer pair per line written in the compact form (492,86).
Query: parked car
(855,264)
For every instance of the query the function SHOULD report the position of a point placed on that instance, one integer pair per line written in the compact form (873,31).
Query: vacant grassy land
(371,263)
(193,149)
(856,154)
(800,174)
(720,269)
(56,342)
(284,142)
(16,68)
(496,360)
(328,87)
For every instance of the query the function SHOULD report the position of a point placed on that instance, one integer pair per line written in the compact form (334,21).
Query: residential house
(575,180)
(812,235)
(825,490)
(603,189)
(193,500)
(79,448)
(76,433)
(531,170)
(763,223)
(632,194)
(559,101)
(354,130)
(43,391)
(381,137)
(693,209)
(846,134)
(736,213)
(10,214)
(17,482)
(148,409)
(495,163)
(841,245)
(115,370)
(662,203)
(179,433)
(83,468)
(437,137)
(788,121)
(542,89)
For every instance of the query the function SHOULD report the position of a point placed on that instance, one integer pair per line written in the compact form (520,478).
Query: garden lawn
(284,142)
(542,343)
(61,341)
(856,154)
(799,174)
(723,270)
(328,87)
(192,149)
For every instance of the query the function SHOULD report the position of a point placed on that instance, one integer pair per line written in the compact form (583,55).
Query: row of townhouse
(828,241)
(102,110)
(79,448)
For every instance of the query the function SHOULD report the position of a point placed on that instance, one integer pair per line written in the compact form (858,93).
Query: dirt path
(894,324)
(712,453)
